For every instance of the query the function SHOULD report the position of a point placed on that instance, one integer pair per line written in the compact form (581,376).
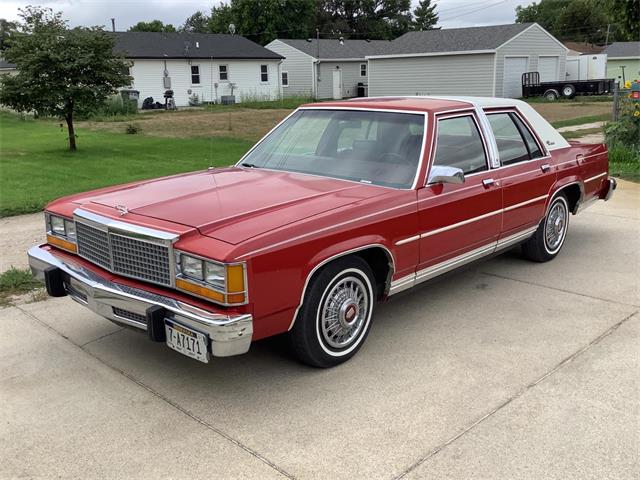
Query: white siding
(245,74)
(432,75)
(350,78)
(299,65)
(532,43)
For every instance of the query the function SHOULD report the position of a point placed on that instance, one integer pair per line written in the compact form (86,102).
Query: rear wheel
(545,244)
(568,91)
(335,317)
(551,95)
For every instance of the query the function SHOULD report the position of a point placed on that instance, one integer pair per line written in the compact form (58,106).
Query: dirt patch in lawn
(249,124)
(555,112)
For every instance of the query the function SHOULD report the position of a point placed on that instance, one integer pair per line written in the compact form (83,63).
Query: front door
(458,222)
(337,84)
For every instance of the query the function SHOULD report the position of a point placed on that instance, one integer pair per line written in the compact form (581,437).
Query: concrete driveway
(508,369)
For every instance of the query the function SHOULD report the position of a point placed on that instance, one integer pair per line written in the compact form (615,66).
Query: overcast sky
(453,13)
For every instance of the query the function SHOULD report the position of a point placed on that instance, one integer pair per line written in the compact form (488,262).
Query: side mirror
(444,174)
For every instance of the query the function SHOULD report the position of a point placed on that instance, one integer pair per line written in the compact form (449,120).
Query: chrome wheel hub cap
(555,226)
(344,312)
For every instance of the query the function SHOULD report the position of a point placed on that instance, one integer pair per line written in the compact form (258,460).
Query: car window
(534,149)
(511,146)
(381,148)
(460,145)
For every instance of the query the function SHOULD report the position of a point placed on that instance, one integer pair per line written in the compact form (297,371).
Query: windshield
(380,148)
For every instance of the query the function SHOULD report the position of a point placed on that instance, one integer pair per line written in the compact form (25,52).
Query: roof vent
(197,44)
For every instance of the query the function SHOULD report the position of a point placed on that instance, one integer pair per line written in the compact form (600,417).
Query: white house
(207,65)
(480,61)
(6,67)
(325,68)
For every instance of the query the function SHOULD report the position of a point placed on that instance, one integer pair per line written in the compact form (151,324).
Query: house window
(363,69)
(223,71)
(285,79)
(264,73)
(195,75)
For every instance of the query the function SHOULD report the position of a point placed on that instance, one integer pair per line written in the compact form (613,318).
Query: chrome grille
(93,244)
(125,255)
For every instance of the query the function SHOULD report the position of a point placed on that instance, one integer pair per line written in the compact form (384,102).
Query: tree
(545,13)
(60,71)
(152,26)
(425,16)
(196,23)
(626,14)
(6,30)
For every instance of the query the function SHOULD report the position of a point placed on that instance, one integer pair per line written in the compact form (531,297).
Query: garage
(514,67)
(548,68)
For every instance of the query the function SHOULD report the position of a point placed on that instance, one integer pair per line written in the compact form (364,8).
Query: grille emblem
(122,209)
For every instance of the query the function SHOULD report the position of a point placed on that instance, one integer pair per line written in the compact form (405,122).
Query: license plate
(186,341)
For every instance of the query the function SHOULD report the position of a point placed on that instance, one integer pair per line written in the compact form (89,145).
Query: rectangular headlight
(224,283)
(61,232)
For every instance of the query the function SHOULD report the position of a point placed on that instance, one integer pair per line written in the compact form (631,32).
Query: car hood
(236,204)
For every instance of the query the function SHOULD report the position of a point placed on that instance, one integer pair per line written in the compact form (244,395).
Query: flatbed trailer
(533,87)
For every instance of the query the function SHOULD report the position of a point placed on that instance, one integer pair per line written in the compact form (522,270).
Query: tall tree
(425,16)
(60,71)
(6,30)
(626,14)
(152,26)
(196,23)
(375,19)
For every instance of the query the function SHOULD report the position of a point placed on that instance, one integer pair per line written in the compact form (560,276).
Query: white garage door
(514,67)
(548,68)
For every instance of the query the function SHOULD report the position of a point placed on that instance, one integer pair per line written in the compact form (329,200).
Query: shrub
(132,129)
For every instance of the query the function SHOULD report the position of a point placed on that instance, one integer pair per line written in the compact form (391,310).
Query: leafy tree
(6,29)
(196,23)
(221,17)
(626,14)
(425,16)
(545,13)
(60,71)
(152,26)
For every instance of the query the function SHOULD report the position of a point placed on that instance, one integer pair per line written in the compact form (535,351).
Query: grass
(36,167)
(581,120)
(260,104)
(580,133)
(624,162)
(16,281)
(576,100)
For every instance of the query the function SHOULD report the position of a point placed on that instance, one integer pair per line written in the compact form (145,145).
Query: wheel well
(573,194)
(381,265)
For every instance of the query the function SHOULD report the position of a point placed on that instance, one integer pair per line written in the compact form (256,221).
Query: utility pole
(113,24)
(606,42)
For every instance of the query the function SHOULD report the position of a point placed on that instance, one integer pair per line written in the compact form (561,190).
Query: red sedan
(342,205)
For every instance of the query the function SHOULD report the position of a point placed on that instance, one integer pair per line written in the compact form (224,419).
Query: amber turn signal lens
(235,279)
(199,290)
(235,298)
(64,244)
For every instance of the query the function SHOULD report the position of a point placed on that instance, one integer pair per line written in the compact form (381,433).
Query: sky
(453,13)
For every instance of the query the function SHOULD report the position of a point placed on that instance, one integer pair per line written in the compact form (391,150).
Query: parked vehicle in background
(340,206)
(533,87)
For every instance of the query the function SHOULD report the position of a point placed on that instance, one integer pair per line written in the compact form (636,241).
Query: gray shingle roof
(6,65)
(456,39)
(189,45)
(331,48)
(623,49)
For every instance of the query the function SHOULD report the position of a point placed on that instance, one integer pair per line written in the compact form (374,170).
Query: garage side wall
(299,67)
(432,75)
(350,78)
(532,44)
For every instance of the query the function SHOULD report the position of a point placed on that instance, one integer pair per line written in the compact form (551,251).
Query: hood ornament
(122,209)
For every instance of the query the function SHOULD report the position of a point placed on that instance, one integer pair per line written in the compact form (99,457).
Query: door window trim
(545,153)
(434,142)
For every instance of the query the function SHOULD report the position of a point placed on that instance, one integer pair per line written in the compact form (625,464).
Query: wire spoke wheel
(556,226)
(344,312)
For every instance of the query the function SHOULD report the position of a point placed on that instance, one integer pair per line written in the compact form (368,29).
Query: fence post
(616,100)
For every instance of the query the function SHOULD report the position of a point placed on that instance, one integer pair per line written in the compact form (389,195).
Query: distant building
(6,67)
(623,54)
(207,65)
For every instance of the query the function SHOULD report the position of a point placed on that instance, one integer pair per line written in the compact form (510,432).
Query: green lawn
(582,120)
(36,167)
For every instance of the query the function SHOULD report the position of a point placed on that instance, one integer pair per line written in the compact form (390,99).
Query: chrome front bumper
(228,334)
(611,186)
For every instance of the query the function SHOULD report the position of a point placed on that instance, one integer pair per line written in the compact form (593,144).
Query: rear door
(526,172)
(458,222)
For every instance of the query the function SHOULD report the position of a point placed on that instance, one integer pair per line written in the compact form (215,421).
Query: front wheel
(545,244)
(335,317)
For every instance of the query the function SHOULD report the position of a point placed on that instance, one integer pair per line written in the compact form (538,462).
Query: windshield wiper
(249,165)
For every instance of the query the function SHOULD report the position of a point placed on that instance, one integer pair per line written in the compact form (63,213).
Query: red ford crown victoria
(341,205)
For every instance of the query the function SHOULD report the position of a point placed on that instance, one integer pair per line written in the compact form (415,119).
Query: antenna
(113,24)
(232,29)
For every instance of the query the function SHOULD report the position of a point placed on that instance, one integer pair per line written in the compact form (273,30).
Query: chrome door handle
(579,158)
(545,168)
(487,182)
